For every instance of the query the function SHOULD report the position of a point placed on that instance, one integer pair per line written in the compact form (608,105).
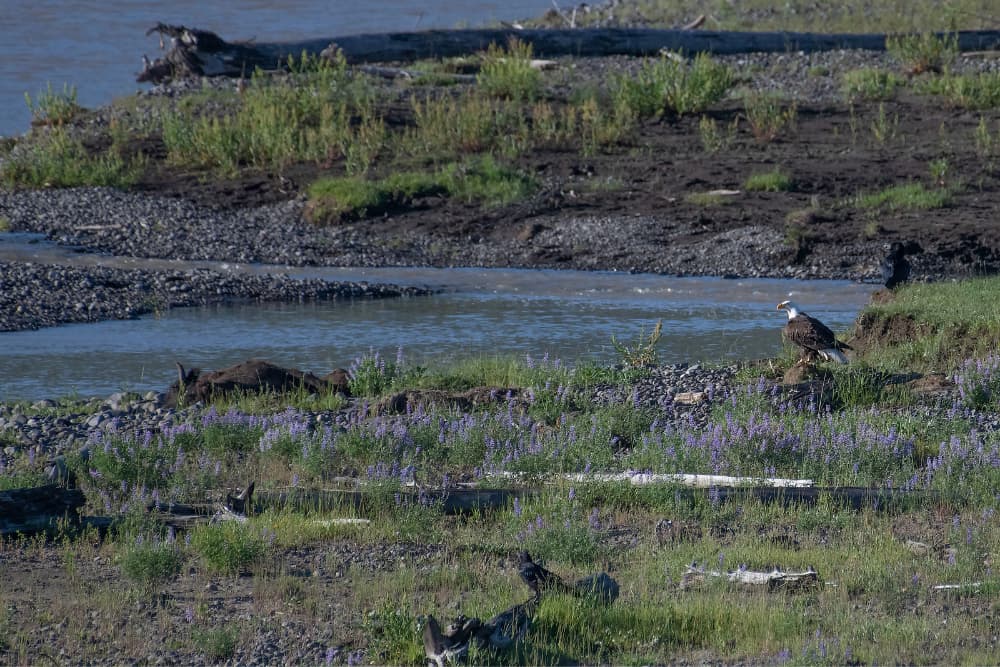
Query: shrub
(768,116)
(229,547)
(673,84)
(924,52)
(59,160)
(508,72)
(53,108)
(642,353)
(970,91)
(714,138)
(216,643)
(869,84)
(148,562)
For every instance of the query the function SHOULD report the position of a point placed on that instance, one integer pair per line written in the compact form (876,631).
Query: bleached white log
(957,587)
(774,579)
(682,479)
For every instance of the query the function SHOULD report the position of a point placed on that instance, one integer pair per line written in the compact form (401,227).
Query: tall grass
(672,84)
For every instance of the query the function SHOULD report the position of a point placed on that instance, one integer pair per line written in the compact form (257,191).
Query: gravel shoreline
(35,295)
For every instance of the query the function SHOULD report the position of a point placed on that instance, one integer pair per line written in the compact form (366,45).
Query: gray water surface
(97,46)
(570,315)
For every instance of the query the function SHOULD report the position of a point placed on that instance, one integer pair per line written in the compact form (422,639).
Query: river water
(97,45)
(567,315)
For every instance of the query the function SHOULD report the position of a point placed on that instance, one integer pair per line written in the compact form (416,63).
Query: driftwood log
(195,52)
(37,508)
(774,580)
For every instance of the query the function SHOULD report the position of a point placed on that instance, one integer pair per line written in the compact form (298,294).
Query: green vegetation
(714,138)
(710,198)
(217,644)
(939,326)
(53,108)
(151,562)
(923,52)
(870,84)
(483,181)
(544,421)
(673,85)
(968,91)
(642,353)
(57,159)
(909,197)
(508,73)
(229,547)
(770,181)
(883,127)
(769,116)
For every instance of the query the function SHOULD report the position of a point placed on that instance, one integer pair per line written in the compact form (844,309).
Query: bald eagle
(814,337)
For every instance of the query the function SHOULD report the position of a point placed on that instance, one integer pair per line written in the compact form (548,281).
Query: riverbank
(857,165)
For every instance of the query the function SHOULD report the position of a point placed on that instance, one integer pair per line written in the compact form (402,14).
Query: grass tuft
(907,197)
(771,181)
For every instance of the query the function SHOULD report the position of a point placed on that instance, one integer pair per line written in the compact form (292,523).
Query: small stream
(569,315)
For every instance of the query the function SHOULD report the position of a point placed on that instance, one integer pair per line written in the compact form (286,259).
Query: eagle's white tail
(833,354)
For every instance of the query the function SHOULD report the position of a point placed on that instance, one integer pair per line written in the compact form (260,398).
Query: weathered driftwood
(774,580)
(202,53)
(36,508)
(680,479)
(501,631)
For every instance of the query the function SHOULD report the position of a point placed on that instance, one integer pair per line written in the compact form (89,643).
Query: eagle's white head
(790,308)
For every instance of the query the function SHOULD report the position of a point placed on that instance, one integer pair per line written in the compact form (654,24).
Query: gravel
(35,295)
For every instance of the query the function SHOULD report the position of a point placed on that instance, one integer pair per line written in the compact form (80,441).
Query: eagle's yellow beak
(781,306)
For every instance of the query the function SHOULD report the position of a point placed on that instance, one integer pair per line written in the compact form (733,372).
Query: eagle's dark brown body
(812,336)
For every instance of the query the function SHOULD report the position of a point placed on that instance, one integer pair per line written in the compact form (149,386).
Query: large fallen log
(195,52)
(37,508)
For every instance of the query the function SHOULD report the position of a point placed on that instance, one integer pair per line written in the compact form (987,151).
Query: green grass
(53,107)
(707,199)
(59,159)
(229,547)
(967,91)
(906,197)
(673,84)
(923,52)
(150,563)
(951,321)
(507,72)
(482,181)
(771,181)
(870,84)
